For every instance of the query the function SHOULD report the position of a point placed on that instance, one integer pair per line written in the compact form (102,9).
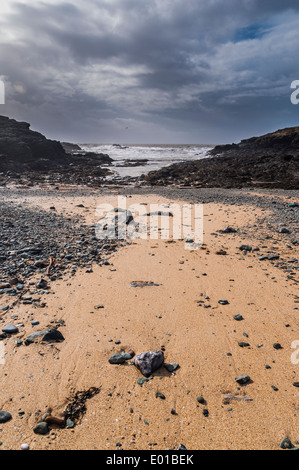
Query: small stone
(171,367)
(243,379)
(277,346)
(201,400)
(223,302)
(42,284)
(10,329)
(41,428)
(205,413)
(286,444)
(117,359)
(24,447)
(238,318)
(5,417)
(70,424)
(160,395)
(182,447)
(142,381)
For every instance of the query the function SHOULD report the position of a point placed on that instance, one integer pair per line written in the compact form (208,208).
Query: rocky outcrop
(20,145)
(271,161)
(29,157)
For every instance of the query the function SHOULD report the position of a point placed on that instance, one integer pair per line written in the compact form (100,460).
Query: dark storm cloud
(190,70)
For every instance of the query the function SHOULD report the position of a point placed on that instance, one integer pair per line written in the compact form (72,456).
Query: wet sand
(181,315)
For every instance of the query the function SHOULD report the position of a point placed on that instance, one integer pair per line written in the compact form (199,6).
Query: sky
(150,71)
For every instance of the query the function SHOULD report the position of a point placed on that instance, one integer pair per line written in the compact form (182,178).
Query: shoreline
(181,315)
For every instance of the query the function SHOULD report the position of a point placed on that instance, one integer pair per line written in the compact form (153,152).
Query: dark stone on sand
(42,284)
(243,379)
(277,346)
(5,417)
(149,362)
(286,444)
(41,428)
(238,318)
(171,367)
(10,329)
(50,336)
(117,359)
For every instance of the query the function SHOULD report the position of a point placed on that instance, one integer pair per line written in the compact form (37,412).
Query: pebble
(243,379)
(5,417)
(117,359)
(24,447)
(41,428)
(10,329)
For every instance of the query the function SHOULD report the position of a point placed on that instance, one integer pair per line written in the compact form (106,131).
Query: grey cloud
(161,64)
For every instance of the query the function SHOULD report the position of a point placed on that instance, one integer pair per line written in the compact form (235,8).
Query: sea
(134,160)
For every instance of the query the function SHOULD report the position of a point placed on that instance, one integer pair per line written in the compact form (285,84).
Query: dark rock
(148,362)
(42,284)
(243,379)
(271,160)
(50,336)
(277,346)
(286,444)
(171,367)
(10,329)
(117,359)
(5,417)
(238,318)
(41,428)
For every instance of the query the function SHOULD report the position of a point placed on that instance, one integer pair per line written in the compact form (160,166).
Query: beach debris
(148,362)
(41,428)
(77,406)
(243,379)
(10,329)
(53,421)
(144,284)
(160,395)
(117,358)
(5,417)
(49,336)
(228,398)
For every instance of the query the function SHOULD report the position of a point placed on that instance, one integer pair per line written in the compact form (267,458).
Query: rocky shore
(270,161)
(28,158)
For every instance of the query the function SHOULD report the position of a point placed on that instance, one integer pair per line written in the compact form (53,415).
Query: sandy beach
(99,314)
